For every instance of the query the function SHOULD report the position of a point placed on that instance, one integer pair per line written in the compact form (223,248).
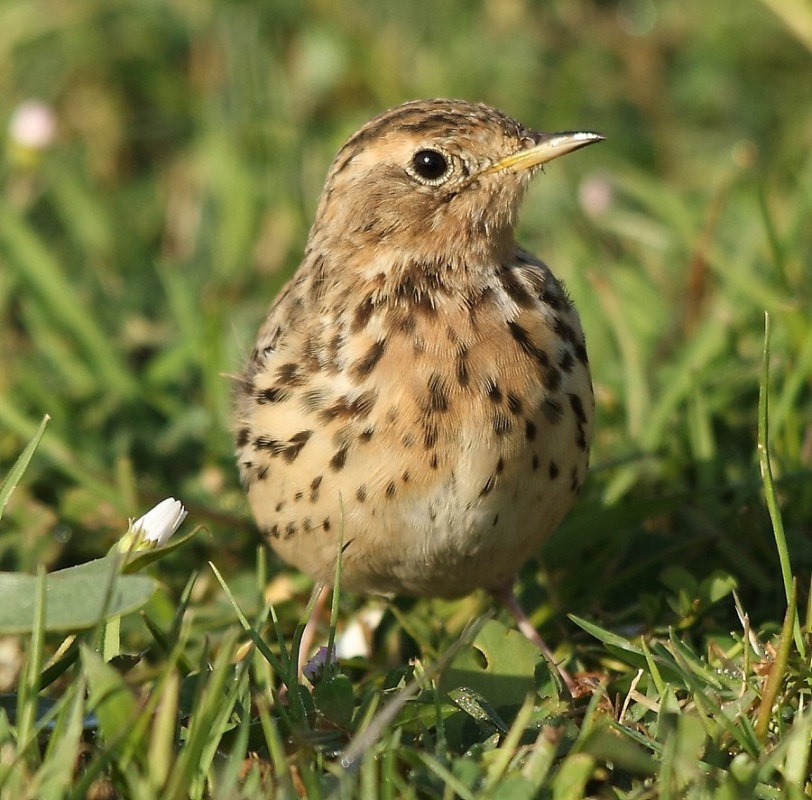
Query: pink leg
(309,633)
(504,595)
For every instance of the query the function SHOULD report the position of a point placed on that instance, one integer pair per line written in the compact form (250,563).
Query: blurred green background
(182,147)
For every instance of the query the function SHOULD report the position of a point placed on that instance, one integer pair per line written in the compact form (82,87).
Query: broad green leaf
(499,665)
(75,598)
(334,699)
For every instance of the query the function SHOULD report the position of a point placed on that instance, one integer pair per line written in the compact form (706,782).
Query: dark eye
(430,164)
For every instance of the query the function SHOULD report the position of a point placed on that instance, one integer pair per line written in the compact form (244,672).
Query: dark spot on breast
(553,470)
(408,440)
(514,403)
(363,311)
(552,410)
(290,530)
(298,496)
(463,376)
(522,338)
(405,477)
(279,506)
(339,459)
(275,394)
(429,435)
(262,473)
(530,430)
(364,403)
(493,391)
(535,462)
(314,488)
(515,289)
(365,365)
(565,330)
(273,446)
(361,494)
(326,524)
(438,397)
(243,437)
(288,375)
(550,375)
(312,353)
(307,525)
(551,378)
(566,362)
(577,408)
(390,489)
(486,489)
(501,424)
(495,520)
(272,532)
(500,466)
(295,445)
(433,512)
(580,354)
(366,434)
(345,408)
(554,298)
(434,462)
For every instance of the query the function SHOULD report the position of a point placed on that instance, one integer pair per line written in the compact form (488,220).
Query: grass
(139,251)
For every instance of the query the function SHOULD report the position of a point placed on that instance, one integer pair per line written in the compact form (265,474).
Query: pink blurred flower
(32,125)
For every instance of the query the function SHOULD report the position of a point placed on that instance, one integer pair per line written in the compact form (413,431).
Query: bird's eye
(429,165)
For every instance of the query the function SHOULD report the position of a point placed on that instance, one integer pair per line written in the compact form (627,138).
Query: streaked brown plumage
(421,380)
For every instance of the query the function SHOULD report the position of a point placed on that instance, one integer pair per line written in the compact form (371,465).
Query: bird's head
(439,180)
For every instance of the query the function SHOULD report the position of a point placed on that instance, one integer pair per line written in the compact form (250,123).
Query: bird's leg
(505,596)
(309,632)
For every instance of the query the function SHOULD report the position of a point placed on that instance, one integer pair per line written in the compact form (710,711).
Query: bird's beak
(545,147)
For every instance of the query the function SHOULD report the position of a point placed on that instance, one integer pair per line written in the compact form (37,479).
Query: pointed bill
(546,147)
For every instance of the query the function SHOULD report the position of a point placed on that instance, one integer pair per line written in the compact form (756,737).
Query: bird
(419,394)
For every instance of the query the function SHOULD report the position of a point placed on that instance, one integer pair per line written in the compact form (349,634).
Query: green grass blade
(770,494)
(29,686)
(777,670)
(16,472)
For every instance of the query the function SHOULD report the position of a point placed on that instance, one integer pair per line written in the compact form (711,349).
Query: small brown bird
(421,385)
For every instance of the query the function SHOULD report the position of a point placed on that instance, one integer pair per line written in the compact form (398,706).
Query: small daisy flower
(155,527)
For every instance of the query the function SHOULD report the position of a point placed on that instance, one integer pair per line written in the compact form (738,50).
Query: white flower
(159,523)
(32,125)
